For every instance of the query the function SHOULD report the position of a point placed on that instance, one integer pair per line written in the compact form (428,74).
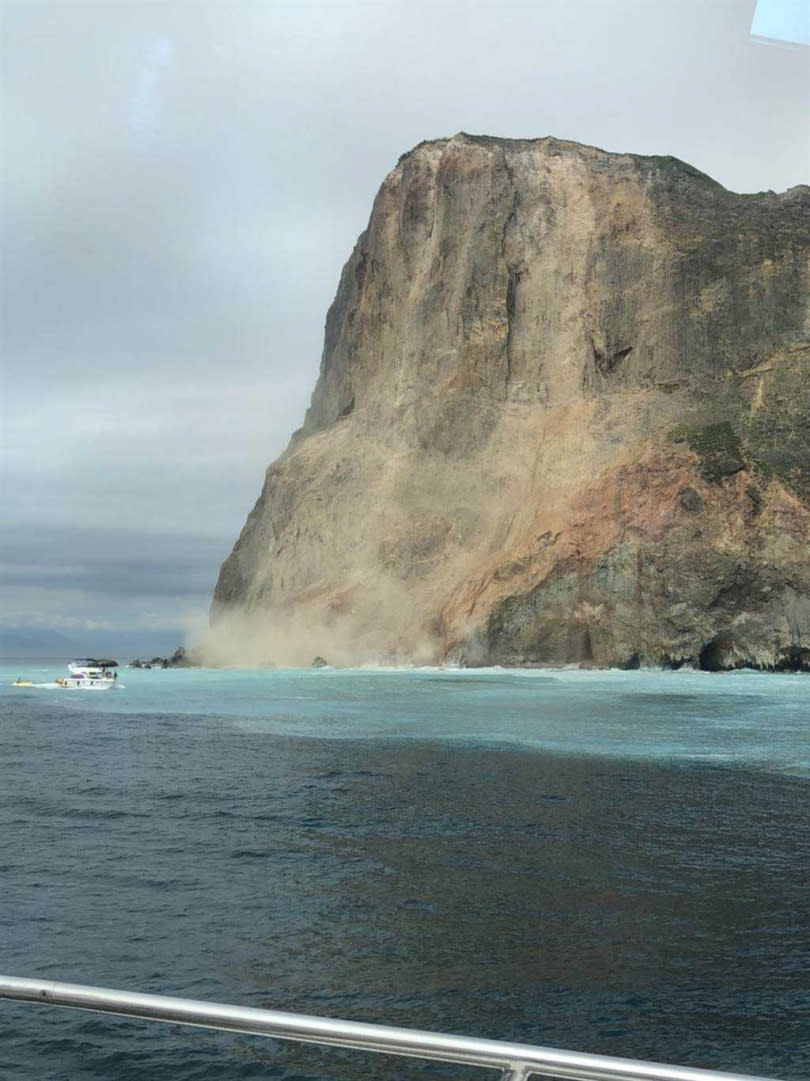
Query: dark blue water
(643,905)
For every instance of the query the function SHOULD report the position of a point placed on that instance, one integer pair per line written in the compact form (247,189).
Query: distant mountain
(33,642)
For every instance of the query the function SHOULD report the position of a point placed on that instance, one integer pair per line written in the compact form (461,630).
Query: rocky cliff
(563,414)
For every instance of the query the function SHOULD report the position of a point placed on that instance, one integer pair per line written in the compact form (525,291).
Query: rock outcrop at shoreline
(563,415)
(181,658)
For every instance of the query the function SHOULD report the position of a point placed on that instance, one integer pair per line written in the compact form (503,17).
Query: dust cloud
(357,626)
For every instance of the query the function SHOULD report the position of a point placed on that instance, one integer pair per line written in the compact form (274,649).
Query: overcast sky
(182,183)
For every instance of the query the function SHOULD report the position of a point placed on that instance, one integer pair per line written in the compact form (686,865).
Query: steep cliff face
(563,414)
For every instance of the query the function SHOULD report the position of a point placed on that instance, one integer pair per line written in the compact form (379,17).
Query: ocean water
(602,861)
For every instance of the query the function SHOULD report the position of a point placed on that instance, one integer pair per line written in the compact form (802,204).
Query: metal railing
(517,1062)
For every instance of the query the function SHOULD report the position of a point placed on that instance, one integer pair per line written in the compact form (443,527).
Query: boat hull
(83,684)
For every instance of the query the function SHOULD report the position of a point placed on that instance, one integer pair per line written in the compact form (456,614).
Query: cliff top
(594,154)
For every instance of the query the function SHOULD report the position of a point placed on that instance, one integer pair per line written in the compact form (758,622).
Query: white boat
(89,674)
(85,675)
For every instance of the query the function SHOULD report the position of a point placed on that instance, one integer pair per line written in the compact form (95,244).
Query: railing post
(515,1073)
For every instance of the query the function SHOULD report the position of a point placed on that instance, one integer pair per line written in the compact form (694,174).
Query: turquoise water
(744,718)
(604,861)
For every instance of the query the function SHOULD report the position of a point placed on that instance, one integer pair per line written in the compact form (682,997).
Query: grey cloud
(109,561)
(83,579)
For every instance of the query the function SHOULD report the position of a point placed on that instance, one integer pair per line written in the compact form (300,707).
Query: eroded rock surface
(563,415)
